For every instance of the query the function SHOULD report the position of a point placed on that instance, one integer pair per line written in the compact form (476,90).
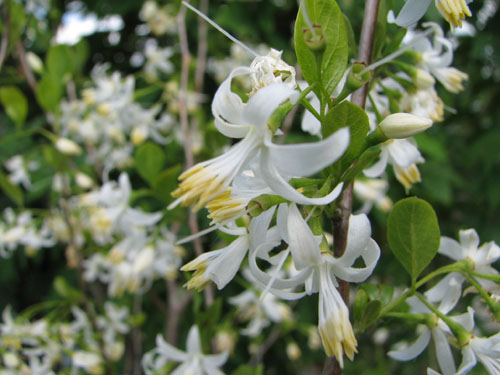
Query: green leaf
(59,62)
(359,306)
(15,104)
(352,116)
(364,160)
(48,93)
(249,370)
(328,15)
(17,23)
(165,183)
(413,234)
(65,290)
(149,160)
(14,192)
(371,313)
(80,54)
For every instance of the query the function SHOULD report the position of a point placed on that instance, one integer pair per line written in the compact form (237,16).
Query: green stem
(491,303)
(460,332)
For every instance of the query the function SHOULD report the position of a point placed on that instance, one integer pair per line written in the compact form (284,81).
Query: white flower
(447,293)
(157,60)
(437,56)
(317,271)
(221,265)
(372,192)
(453,11)
(18,171)
(193,361)
(270,69)
(403,154)
(208,180)
(484,350)
(468,249)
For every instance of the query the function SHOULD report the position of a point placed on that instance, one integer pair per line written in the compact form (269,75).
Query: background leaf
(149,160)
(15,104)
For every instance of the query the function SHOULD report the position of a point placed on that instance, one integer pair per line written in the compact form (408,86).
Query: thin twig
(201,55)
(5,34)
(137,338)
(30,77)
(176,305)
(184,120)
(340,222)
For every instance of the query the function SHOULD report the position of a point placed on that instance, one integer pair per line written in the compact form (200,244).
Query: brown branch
(340,222)
(184,120)
(201,55)
(176,305)
(21,55)
(5,34)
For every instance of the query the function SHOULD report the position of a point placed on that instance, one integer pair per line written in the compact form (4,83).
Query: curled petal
(443,351)
(413,350)
(412,11)
(308,158)
(278,184)
(265,101)
(227,108)
(370,256)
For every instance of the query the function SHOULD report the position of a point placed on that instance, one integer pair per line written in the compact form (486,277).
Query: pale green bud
(403,125)
(68,147)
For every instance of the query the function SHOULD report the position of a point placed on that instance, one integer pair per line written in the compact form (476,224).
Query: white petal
(308,158)
(282,221)
(413,350)
(227,108)
(358,235)
(468,361)
(281,187)
(259,226)
(451,249)
(193,343)
(265,101)
(303,245)
(469,240)
(447,291)
(443,352)
(466,320)
(167,350)
(215,360)
(379,167)
(370,256)
(412,11)
(222,270)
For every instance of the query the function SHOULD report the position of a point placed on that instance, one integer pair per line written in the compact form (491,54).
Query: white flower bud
(404,125)
(34,62)
(83,181)
(424,80)
(68,147)
(293,351)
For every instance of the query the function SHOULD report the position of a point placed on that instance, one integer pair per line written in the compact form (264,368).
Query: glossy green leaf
(149,161)
(413,234)
(328,15)
(15,104)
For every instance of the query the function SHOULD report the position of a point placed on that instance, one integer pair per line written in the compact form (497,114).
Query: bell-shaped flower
(317,272)
(453,11)
(210,179)
(484,350)
(193,361)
